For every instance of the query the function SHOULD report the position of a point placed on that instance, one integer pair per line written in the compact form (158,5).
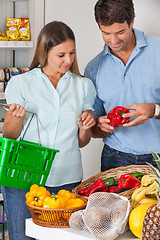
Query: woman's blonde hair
(51,35)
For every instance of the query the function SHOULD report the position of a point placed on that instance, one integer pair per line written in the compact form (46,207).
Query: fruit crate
(116,173)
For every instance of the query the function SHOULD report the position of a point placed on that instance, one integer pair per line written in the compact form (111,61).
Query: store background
(79,15)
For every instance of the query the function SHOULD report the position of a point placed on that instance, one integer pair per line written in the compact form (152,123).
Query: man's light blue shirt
(58,110)
(136,82)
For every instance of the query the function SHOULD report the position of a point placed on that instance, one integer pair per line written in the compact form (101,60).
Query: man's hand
(143,112)
(103,124)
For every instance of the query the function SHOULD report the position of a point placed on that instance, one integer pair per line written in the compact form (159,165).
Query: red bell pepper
(97,186)
(105,190)
(128,181)
(113,189)
(82,192)
(116,116)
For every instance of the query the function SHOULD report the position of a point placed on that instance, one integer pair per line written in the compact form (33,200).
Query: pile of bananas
(146,193)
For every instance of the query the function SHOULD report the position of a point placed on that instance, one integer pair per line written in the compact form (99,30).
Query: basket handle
(7,106)
(39,139)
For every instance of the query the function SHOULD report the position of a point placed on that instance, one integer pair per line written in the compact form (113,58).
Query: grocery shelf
(2,96)
(16,44)
(42,233)
(15,0)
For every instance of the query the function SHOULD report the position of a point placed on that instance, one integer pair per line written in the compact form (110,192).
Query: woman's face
(61,57)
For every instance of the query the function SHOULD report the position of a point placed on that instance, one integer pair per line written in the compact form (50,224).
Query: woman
(62,100)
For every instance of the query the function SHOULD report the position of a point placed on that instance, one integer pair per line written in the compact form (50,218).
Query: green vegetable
(110,182)
(138,175)
(123,190)
(116,183)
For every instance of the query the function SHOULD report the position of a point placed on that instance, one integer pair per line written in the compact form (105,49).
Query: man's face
(117,36)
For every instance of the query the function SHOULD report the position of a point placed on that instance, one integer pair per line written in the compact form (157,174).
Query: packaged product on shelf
(1,87)
(13,72)
(1,80)
(24,29)
(12,29)
(7,73)
(1,75)
(19,70)
(24,69)
(17,29)
(3,37)
(6,76)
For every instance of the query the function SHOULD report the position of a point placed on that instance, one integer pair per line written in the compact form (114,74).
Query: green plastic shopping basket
(23,163)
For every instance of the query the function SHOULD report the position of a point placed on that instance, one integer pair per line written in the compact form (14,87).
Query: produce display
(136,219)
(52,210)
(36,195)
(39,196)
(105,217)
(144,215)
(151,223)
(116,116)
(125,182)
(146,192)
(144,219)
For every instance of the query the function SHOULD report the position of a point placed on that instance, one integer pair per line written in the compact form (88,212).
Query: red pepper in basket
(113,189)
(128,181)
(97,186)
(83,191)
(105,190)
(116,116)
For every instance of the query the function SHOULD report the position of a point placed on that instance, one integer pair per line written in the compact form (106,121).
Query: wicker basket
(55,218)
(116,173)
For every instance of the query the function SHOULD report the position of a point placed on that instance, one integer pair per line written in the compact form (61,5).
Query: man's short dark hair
(108,12)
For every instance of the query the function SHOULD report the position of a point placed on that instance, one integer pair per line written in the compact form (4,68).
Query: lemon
(136,219)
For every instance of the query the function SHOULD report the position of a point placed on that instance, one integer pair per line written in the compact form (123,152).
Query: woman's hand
(13,122)
(16,110)
(86,120)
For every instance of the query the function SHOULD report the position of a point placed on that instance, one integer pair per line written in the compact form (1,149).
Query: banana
(147,200)
(137,191)
(152,190)
(138,195)
(147,180)
(142,192)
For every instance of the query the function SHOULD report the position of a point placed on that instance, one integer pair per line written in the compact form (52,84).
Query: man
(126,73)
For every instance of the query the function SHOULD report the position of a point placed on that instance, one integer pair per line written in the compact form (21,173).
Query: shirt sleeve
(98,108)
(89,96)
(90,74)
(13,91)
